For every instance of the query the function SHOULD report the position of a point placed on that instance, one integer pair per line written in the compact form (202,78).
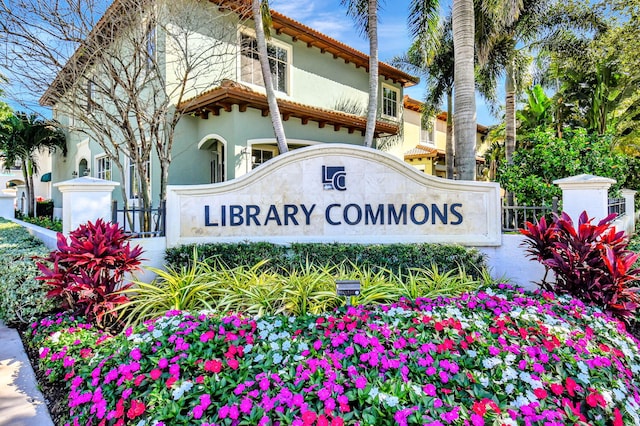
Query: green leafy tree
(530,177)
(22,136)
(537,112)
(434,61)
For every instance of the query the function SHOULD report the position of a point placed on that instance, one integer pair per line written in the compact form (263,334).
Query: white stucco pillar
(7,205)
(629,196)
(85,199)
(585,193)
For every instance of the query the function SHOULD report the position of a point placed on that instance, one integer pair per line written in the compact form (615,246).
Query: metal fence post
(114,211)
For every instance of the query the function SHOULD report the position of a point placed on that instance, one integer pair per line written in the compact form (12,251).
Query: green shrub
(397,258)
(257,290)
(44,222)
(44,208)
(23,298)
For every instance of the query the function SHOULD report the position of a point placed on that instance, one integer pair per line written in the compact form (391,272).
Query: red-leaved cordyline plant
(88,270)
(591,263)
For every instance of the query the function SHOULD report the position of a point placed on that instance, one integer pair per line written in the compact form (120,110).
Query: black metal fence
(140,222)
(618,206)
(514,217)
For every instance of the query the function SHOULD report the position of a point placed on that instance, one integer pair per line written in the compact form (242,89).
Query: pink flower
(361,382)
(429,389)
(198,411)
(246,405)
(309,418)
(135,354)
(163,363)
(233,412)
(233,363)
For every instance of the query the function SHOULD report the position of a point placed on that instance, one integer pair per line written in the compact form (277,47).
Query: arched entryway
(215,145)
(83,168)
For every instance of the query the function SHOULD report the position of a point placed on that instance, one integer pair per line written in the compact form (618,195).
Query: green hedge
(23,298)
(395,257)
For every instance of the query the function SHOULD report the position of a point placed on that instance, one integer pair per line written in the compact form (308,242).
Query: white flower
(484,381)
(277,358)
(286,345)
(274,345)
(521,401)
(507,420)
(531,396)
(184,387)
(392,401)
(55,337)
(509,388)
(619,395)
(373,392)
(584,378)
(490,363)
(472,353)
(259,358)
(156,333)
(509,374)
(583,367)
(510,358)
(142,423)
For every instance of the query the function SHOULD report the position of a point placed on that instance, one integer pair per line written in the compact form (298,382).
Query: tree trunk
(465,126)
(510,131)
(449,152)
(372,108)
(274,110)
(510,115)
(28,182)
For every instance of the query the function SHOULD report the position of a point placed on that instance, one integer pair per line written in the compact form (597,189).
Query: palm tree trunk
(274,110)
(465,126)
(372,109)
(449,153)
(510,130)
(30,195)
(510,116)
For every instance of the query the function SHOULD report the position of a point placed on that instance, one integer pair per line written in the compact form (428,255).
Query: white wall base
(509,261)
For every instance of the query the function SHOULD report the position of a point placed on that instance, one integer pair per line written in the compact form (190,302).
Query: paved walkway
(21,403)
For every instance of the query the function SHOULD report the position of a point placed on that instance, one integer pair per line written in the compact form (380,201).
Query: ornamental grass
(489,357)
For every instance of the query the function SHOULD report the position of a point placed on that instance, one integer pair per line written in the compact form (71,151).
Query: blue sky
(329,17)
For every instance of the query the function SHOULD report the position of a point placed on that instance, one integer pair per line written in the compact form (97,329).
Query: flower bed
(492,357)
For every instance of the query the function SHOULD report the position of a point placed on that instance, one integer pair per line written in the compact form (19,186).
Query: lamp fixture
(74,174)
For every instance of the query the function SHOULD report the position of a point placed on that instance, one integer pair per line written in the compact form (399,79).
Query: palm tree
(261,15)
(423,19)
(21,137)
(435,63)
(465,125)
(365,14)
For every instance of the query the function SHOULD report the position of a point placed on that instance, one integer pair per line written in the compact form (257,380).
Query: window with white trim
(390,96)
(103,168)
(259,156)
(250,71)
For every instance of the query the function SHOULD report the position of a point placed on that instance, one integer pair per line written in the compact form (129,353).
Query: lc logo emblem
(333,177)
